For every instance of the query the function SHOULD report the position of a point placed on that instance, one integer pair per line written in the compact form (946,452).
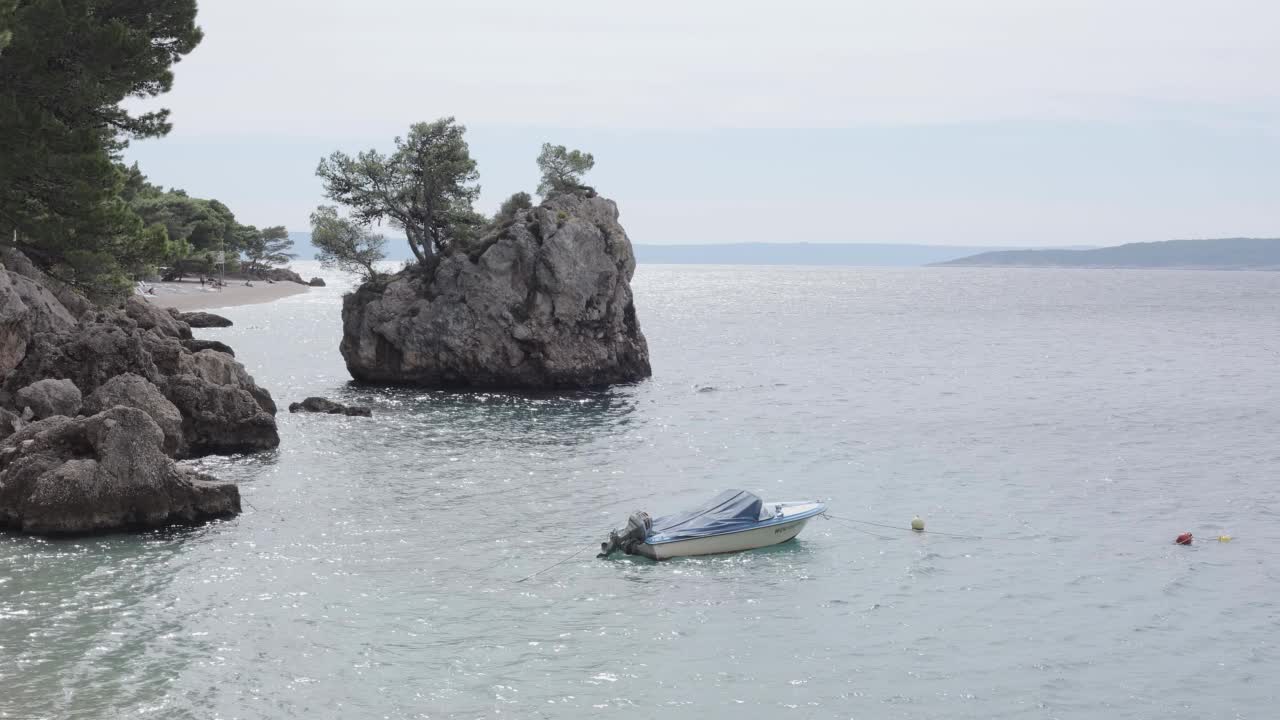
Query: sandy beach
(192,296)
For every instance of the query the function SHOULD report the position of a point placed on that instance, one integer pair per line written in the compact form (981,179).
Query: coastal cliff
(543,301)
(97,403)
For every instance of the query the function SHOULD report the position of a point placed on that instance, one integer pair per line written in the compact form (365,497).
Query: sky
(996,122)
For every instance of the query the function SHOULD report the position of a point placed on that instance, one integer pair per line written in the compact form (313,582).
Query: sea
(1055,430)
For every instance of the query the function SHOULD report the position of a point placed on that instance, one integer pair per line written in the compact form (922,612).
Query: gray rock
(135,391)
(50,397)
(26,308)
(196,345)
(545,302)
(156,319)
(283,275)
(90,355)
(15,325)
(316,282)
(327,406)
(220,419)
(204,320)
(10,422)
(70,298)
(222,369)
(105,472)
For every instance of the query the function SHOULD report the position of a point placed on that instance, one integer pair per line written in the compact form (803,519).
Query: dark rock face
(105,472)
(220,419)
(544,303)
(325,405)
(136,391)
(154,393)
(151,317)
(196,345)
(284,275)
(204,320)
(49,397)
(201,380)
(316,282)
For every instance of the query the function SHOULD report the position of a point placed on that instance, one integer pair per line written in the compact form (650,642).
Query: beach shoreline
(191,295)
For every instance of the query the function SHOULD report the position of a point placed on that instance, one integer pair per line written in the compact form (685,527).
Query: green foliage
(512,205)
(208,225)
(66,69)
(562,169)
(267,247)
(426,187)
(346,245)
(6,21)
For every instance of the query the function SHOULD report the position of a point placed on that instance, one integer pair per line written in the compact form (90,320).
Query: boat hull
(773,534)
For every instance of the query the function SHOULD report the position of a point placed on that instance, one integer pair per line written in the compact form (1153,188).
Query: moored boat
(733,521)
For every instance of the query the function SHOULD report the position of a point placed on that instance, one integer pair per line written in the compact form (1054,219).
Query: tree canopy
(346,245)
(267,247)
(66,69)
(562,169)
(426,187)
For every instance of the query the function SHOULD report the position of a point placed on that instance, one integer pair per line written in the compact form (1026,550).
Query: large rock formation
(543,302)
(192,396)
(135,391)
(104,472)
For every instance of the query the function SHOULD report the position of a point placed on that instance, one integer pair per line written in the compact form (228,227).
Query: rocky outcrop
(316,282)
(220,407)
(49,397)
(220,419)
(151,317)
(196,345)
(283,275)
(135,391)
(544,301)
(327,406)
(204,320)
(26,307)
(105,472)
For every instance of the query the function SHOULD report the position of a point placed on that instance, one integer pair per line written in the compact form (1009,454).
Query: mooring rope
(910,530)
(555,565)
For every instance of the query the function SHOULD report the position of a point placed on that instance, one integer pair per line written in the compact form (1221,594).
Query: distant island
(1220,254)
(864,254)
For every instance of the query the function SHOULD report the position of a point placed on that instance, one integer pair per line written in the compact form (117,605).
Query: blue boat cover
(729,511)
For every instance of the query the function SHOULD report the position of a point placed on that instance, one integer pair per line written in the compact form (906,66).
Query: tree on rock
(426,188)
(346,245)
(562,169)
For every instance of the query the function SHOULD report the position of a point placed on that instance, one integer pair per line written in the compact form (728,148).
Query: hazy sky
(1011,122)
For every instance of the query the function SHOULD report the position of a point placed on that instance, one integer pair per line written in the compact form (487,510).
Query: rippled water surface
(1075,421)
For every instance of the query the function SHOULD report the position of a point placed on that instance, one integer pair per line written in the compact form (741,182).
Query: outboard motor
(637,530)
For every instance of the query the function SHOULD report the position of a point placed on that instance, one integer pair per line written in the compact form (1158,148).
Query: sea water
(1066,424)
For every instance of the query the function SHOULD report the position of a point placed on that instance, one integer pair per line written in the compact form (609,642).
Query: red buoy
(1184,539)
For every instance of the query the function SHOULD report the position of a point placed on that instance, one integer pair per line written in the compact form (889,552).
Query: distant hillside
(1224,254)
(743,253)
(801,254)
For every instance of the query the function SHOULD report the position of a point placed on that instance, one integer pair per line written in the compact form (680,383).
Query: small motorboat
(733,521)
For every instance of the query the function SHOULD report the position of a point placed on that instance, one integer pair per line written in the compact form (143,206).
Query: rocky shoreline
(97,404)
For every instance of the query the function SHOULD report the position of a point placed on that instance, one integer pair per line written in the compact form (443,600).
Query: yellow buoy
(917,524)
(1224,538)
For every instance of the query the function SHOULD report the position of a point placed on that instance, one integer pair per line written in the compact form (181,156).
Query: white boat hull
(727,543)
